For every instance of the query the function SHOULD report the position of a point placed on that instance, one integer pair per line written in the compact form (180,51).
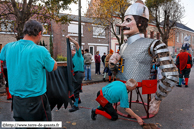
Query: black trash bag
(59,83)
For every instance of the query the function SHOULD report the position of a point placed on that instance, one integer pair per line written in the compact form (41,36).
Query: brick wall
(7,38)
(59,38)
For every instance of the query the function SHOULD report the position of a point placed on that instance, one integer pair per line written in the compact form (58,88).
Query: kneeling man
(113,93)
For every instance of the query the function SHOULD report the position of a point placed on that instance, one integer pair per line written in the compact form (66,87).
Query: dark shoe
(104,79)
(79,101)
(178,85)
(186,86)
(73,109)
(93,114)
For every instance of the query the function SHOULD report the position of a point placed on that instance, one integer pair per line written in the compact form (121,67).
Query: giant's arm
(169,72)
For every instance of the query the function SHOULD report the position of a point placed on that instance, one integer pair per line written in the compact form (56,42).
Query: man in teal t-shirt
(113,93)
(27,63)
(78,62)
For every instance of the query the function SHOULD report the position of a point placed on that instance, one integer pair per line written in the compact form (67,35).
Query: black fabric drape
(59,83)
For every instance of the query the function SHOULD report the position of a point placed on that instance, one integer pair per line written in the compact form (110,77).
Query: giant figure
(138,53)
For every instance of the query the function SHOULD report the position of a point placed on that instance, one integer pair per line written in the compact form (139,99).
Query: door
(91,50)
(102,50)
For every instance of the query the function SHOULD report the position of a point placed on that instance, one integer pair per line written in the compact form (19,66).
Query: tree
(165,14)
(51,45)
(13,14)
(108,13)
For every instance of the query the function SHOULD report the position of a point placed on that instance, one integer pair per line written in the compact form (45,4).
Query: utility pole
(79,26)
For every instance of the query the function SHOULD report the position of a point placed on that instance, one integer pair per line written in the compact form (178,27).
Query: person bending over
(113,93)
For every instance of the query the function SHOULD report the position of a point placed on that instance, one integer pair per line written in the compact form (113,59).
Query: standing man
(87,64)
(27,63)
(103,60)
(78,62)
(97,62)
(113,93)
(184,64)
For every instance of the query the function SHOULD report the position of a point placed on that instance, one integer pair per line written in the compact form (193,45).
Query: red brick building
(94,37)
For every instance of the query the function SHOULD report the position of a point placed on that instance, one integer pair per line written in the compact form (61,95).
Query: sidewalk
(96,78)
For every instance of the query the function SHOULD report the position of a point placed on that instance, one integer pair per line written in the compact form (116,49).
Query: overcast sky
(188,20)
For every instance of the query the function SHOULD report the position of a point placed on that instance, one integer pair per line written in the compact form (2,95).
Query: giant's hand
(154,106)
(114,59)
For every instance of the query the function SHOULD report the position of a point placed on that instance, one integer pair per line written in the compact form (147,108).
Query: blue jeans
(87,69)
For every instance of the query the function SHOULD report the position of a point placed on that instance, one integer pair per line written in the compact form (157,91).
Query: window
(118,31)
(177,37)
(73,29)
(182,38)
(152,34)
(45,28)
(6,26)
(148,34)
(3,27)
(98,32)
(193,39)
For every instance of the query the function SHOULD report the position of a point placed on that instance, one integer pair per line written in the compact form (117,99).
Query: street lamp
(79,26)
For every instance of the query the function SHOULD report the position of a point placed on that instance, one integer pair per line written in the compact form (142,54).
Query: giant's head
(136,19)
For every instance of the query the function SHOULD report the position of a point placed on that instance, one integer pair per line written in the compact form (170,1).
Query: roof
(179,25)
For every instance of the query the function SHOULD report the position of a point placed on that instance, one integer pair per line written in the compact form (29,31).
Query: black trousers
(108,108)
(77,85)
(185,72)
(97,68)
(6,78)
(31,109)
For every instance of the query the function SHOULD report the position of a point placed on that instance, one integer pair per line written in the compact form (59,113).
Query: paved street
(176,111)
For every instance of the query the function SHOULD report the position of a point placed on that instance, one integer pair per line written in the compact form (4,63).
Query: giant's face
(129,26)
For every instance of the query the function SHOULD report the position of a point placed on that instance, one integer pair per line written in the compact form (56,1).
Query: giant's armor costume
(138,54)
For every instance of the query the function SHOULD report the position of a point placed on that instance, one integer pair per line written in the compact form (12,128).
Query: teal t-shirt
(27,64)
(116,92)
(78,61)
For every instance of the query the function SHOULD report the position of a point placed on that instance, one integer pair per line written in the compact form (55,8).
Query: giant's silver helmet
(138,9)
